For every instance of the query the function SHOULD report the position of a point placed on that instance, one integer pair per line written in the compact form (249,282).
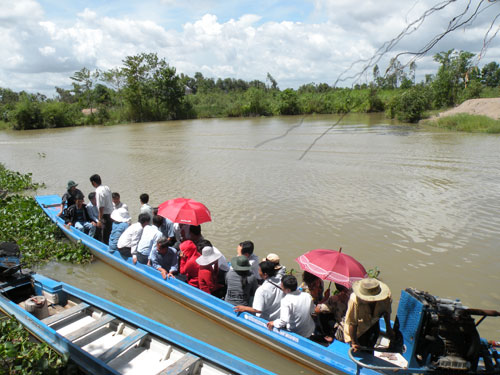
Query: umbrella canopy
(332,265)
(184,211)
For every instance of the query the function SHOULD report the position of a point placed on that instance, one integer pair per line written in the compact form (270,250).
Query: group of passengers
(263,287)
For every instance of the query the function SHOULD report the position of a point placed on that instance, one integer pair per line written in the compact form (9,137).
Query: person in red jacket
(209,271)
(188,266)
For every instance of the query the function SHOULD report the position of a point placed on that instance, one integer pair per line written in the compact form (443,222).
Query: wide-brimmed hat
(120,215)
(274,258)
(240,263)
(71,183)
(208,256)
(371,290)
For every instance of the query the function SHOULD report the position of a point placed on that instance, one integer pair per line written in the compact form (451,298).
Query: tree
(274,83)
(451,76)
(288,103)
(490,74)
(84,80)
(153,90)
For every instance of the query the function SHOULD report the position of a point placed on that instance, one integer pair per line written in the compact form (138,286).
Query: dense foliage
(23,221)
(147,88)
(21,355)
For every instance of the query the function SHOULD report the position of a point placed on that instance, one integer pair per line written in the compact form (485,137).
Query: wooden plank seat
(186,365)
(122,345)
(82,331)
(51,320)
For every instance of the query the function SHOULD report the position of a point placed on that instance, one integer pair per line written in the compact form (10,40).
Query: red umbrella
(184,211)
(332,265)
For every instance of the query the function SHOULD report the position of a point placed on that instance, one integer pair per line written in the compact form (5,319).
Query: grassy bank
(23,221)
(467,123)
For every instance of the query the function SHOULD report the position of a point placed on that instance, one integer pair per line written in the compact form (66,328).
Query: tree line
(147,88)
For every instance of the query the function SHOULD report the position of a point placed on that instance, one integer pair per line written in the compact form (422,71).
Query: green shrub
(410,105)
(26,115)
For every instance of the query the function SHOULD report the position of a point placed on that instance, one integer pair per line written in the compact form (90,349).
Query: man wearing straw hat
(370,300)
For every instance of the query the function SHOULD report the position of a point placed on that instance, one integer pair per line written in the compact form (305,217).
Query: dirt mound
(485,107)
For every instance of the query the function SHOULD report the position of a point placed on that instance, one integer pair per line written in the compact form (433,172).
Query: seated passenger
(267,299)
(313,285)
(296,309)
(150,236)
(69,197)
(246,248)
(331,314)
(241,282)
(188,266)
(370,301)
(130,238)
(77,216)
(93,214)
(280,270)
(116,201)
(121,221)
(164,258)
(209,271)
(221,262)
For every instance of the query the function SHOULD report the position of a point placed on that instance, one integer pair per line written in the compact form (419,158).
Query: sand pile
(485,107)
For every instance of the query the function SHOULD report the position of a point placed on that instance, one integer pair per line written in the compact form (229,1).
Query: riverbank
(473,116)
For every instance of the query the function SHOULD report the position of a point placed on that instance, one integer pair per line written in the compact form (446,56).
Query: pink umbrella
(184,211)
(332,265)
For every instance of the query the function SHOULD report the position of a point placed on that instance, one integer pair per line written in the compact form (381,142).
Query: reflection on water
(421,205)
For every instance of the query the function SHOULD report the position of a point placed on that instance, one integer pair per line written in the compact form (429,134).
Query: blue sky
(45,41)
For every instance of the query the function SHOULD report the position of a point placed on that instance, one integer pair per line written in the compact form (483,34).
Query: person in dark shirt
(78,217)
(69,197)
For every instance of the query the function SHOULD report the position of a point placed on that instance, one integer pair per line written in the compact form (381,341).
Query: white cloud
(316,49)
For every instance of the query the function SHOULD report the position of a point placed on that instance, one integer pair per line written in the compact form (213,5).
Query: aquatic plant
(23,221)
(21,354)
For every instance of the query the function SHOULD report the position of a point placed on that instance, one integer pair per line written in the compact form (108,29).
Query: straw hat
(208,256)
(274,258)
(120,215)
(371,290)
(240,263)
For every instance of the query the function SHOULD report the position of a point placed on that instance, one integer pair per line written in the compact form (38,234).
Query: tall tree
(84,80)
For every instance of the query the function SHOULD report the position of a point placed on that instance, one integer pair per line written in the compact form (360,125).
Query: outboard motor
(438,333)
(9,259)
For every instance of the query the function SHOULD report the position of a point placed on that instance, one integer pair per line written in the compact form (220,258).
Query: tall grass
(468,123)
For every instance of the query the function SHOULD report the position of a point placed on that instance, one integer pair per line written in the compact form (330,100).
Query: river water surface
(421,205)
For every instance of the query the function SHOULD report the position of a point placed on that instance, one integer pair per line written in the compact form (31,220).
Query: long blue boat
(415,316)
(104,338)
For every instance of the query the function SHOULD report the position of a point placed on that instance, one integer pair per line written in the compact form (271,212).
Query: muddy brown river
(421,205)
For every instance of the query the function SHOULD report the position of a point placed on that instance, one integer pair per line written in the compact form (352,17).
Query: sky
(43,42)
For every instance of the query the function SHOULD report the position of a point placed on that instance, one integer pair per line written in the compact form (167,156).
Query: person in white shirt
(104,206)
(296,309)
(150,236)
(117,203)
(93,214)
(267,299)
(246,248)
(130,238)
(145,207)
